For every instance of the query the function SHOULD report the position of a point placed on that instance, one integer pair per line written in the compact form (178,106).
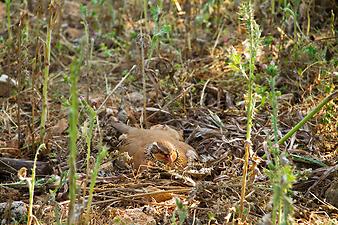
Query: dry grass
(194,90)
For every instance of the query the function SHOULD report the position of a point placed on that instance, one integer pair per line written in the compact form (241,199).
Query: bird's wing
(135,149)
(178,135)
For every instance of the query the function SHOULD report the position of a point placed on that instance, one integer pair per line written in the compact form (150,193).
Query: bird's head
(162,151)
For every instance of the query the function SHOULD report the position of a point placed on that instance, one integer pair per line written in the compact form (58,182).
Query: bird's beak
(173,156)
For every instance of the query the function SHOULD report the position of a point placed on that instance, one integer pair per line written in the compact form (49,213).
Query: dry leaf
(59,128)
(158,197)
(22,173)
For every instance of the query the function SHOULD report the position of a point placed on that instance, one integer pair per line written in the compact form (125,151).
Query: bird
(159,143)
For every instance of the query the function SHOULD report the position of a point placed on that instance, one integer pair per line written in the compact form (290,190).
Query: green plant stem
(145,11)
(8,13)
(279,202)
(88,136)
(250,109)
(86,54)
(274,110)
(45,82)
(99,160)
(308,117)
(332,24)
(144,81)
(73,135)
(308,22)
(31,186)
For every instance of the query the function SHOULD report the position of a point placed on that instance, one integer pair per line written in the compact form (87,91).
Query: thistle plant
(182,213)
(73,136)
(99,160)
(51,23)
(160,31)
(279,170)
(253,32)
(88,130)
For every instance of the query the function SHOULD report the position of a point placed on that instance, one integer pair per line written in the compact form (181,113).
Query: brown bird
(159,143)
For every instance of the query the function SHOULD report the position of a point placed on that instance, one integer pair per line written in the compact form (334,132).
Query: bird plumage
(159,143)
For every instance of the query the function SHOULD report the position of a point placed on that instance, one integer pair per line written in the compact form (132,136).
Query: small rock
(331,194)
(73,34)
(18,212)
(133,216)
(136,98)
(7,85)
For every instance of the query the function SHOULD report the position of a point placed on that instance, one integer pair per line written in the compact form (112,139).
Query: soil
(186,79)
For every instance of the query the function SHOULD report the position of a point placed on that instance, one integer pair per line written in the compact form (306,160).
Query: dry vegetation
(174,63)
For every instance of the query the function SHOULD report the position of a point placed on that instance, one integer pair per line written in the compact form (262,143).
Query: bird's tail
(121,127)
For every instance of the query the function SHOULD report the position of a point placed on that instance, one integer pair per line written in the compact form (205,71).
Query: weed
(73,136)
(182,213)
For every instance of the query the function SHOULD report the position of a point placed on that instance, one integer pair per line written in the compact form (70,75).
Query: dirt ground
(184,78)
